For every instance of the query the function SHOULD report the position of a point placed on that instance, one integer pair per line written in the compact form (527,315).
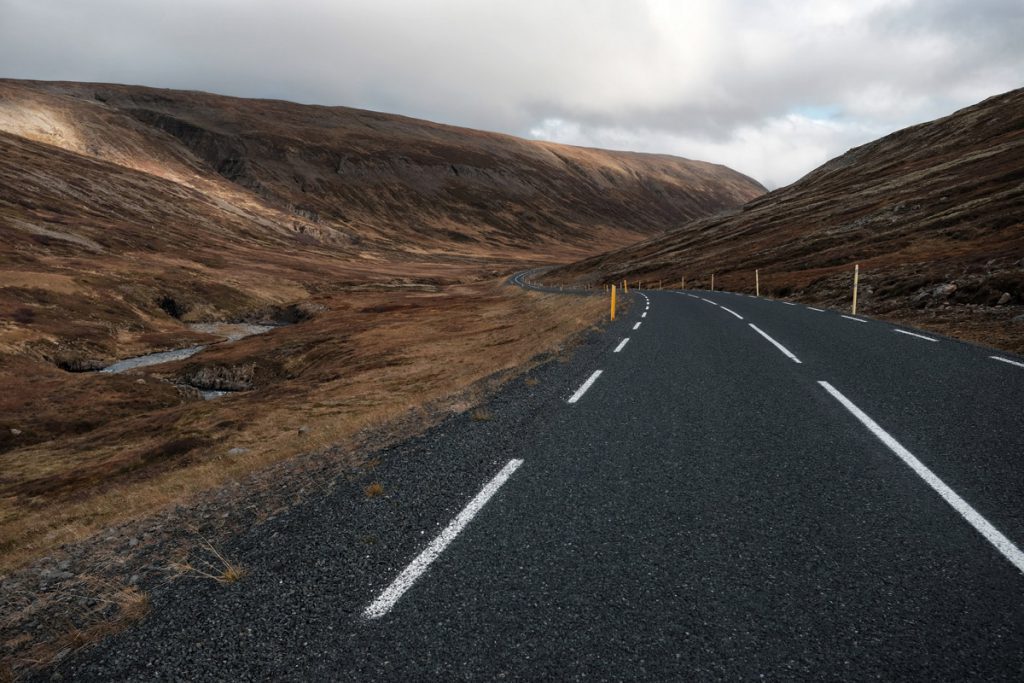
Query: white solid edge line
(981,525)
(732,311)
(779,346)
(789,303)
(637,326)
(709,301)
(815,309)
(586,385)
(1007,360)
(403,582)
(621,345)
(850,317)
(914,334)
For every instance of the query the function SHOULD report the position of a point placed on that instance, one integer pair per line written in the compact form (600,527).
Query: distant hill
(347,176)
(934,214)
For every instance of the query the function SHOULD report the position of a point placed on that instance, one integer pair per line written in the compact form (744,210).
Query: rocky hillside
(934,214)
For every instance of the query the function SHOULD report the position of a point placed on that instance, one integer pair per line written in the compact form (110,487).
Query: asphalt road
(746,489)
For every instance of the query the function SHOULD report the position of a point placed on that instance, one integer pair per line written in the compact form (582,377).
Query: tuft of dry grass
(218,568)
(482,415)
(531,381)
(373,490)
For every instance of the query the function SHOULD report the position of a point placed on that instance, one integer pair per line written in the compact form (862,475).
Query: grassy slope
(935,204)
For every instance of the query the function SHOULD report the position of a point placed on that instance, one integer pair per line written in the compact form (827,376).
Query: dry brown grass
(531,381)
(373,490)
(352,369)
(120,605)
(215,568)
(481,415)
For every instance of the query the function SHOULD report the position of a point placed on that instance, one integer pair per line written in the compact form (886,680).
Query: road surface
(713,487)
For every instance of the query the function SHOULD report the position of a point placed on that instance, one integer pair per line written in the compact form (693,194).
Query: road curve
(714,487)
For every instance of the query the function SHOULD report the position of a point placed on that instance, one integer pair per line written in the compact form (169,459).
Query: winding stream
(230,331)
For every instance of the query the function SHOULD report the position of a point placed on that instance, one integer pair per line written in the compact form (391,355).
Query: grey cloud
(698,77)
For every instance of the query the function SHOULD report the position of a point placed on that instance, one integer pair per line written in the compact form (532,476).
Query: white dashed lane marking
(621,345)
(914,334)
(586,385)
(786,352)
(850,317)
(1007,360)
(980,524)
(403,582)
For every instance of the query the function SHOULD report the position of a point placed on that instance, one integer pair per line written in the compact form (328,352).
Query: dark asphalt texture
(705,511)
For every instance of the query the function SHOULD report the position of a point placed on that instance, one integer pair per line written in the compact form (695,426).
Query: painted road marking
(981,525)
(1007,360)
(815,309)
(403,582)
(637,326)
(621,345)
(644,314)
(709,301)
(779,346)
(789,303)
(850,317)
(733,312)
(586,385)
(914,334)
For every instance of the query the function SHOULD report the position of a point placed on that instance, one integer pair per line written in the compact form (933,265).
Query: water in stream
(230,331)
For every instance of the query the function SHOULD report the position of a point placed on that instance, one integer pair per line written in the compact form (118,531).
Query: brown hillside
(934,214)
(228,206)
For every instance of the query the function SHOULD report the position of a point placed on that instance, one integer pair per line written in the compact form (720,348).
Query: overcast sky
(771,88)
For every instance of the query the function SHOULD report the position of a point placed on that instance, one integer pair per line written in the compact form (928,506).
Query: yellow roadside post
(625,286)
(613,302)
(682,282)
(856,279)
(757,282)
(712,282)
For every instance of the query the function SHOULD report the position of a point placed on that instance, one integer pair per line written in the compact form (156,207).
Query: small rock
(1004,299)
(303,430)
(140,381)
(15,432)
(944,291)
(133,580)
(132,542)
(242,451)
